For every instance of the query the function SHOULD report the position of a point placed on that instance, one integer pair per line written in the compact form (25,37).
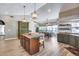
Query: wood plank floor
(52,48)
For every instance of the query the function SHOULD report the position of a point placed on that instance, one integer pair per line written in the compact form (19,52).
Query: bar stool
(42,39)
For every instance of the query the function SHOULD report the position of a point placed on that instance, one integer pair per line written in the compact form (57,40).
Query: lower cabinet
(60,37)
(77,41)
(72,41)
(64,38)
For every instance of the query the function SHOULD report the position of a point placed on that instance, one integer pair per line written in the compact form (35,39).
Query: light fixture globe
(34,15)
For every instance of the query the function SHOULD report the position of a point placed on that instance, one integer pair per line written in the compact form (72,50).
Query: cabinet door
(22,41)
(60,38)
(27,45)
(66,39)
(34,46)
(77,41)
(72,40)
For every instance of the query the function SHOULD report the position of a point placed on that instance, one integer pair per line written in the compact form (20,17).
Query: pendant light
(34,14)
(24,20)
(47,24)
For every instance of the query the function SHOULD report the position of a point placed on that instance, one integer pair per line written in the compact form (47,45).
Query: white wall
(11,27)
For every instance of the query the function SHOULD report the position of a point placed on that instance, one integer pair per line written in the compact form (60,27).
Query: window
(50,29)
(42,29)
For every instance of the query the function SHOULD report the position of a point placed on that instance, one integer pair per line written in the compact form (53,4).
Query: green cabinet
(77,41)
(66,38)
(60,37)
(23,27)
(72,40)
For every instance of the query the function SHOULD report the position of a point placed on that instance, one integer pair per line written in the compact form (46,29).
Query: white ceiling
(16,9)
(52,16)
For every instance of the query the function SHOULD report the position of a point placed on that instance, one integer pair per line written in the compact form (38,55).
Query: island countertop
(31,35)
(72,34)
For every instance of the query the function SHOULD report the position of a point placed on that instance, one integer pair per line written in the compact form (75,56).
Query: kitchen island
(30,42)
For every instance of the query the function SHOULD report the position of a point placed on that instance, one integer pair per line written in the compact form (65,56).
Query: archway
(2,32)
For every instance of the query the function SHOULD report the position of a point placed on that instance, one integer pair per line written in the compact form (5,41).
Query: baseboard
(11,38)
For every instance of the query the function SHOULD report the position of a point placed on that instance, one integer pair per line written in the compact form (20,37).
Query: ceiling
(16,9)
(52,16)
